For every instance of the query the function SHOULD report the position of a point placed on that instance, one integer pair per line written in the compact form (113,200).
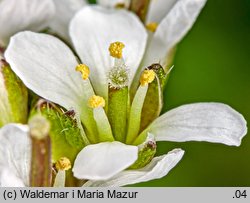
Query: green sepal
(117,112)
(146,153)
(162,74)
(154,99)
(152,105)
(13,97)
(66,138)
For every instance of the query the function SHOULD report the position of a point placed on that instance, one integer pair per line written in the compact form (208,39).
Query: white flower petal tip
(178,20)
(104,160)
(65,10)
(18,15)
(156,169)
(15,159)
(211,122)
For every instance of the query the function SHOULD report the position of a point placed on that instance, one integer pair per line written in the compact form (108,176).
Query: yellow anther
(96,101)
(115,49)
(147,76)
(152,26)
(84,70)
(120,5)
(63,164)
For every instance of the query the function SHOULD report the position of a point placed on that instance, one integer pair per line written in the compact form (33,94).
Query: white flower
(174,18)
(19,15)
(47,66)
(169,20)
(15,150)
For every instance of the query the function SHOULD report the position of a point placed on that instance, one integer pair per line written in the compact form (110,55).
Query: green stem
(41,163)
(41,167)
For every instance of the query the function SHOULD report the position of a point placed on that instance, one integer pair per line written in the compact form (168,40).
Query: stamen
(84,70)
(152,26)
(96,101)
(115,49)
(147,76)
(120,5)
(118,76)
(63,164)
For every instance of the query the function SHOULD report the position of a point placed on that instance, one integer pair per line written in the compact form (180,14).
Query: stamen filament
(100,117)
(135,114)
(60,179)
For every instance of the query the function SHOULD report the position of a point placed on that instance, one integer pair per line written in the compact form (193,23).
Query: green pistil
(117,112)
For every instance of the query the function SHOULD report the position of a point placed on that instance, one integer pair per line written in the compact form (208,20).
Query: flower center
(63,164)
(84,70)
(115,49)
(147,76)
(152,26)
(118,76)
(96,101)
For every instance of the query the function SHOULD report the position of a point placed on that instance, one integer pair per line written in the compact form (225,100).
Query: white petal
(92,38)
(172,29)
(65,10)
(15,150)
(47,66)
(9,179)
(158,9)
(18,15)
(104,160)
(113,3)
(211,122)
(157,168)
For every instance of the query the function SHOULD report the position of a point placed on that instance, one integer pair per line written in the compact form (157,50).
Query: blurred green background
(212,63)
